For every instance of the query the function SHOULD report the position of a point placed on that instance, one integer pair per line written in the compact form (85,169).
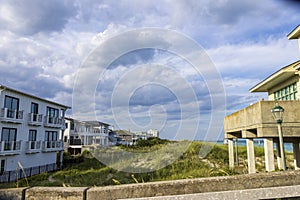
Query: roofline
(102,123)
(3,87)
(295,34)
(72,119)
(269,77)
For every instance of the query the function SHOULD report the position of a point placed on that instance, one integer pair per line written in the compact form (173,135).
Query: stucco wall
(259,117)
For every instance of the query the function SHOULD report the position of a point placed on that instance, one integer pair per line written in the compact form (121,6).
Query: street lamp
(277,113)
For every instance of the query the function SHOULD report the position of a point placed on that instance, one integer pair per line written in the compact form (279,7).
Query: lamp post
(277,113)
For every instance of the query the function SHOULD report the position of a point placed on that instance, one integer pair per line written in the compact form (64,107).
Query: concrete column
(296,155)
(231,153)
(279,160)
(251,156)
(269,154)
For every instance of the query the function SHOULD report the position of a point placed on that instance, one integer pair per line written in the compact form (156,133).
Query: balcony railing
(14,116)
(75,142)
(33,146)
(10,147)
(54,122)
(35,119)
(52,146)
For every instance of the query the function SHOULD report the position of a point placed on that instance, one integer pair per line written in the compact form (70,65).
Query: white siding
(33,159)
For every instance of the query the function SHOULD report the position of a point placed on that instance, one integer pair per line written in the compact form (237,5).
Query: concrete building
(256,121)
(31,134)
(85,135)
(153,133)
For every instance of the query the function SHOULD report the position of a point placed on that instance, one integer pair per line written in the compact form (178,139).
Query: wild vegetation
(86,170)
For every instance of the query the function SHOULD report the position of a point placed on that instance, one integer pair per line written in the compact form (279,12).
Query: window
(72,126)
(12,104)
(2,166)
(9,136)
(287,93)
(52,113)
(51,136)
(32,138)
(34,110)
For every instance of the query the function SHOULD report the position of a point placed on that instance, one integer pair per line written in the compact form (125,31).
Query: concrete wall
(165,188)
(258,117)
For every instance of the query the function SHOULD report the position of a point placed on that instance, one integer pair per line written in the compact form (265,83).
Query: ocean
(288,147)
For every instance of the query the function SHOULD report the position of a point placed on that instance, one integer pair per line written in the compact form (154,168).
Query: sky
(176,66)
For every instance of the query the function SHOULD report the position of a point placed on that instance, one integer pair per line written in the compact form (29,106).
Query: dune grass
(85,170)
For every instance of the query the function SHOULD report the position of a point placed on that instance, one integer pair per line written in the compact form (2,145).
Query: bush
(151,142)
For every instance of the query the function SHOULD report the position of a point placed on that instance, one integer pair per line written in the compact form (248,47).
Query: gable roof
(124,133)
(277,77)
(295,34)
(3,87)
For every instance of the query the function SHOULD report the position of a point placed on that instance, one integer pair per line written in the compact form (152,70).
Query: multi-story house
(31,134)
(153,133)
(85,135)
(256,121)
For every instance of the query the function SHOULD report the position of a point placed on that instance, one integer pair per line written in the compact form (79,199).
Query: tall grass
(86,170)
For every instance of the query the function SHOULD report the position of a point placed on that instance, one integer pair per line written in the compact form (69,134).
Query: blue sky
(45,44)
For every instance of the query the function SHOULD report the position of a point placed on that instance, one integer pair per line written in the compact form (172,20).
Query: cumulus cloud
(45,49)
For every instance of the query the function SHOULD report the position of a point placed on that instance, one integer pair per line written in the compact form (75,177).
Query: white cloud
(44,43)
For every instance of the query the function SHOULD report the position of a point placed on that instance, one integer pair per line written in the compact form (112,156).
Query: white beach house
(32,129)
(85,135)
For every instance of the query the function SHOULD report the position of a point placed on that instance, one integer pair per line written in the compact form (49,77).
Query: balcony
(13,116)
(10,147)
(35,119)
(53,122)
(50,146)
(256,121)
(33,147)
(75,142)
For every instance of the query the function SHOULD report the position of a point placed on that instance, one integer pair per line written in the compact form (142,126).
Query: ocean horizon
(288,147)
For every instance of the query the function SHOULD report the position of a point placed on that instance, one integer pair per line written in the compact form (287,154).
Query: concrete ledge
(12,194)
(57,193)
(188,187)
(200,185)
(262,193)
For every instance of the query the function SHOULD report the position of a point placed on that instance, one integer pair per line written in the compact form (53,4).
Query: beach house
(32,129)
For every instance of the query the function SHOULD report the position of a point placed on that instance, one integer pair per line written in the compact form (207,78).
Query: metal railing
(33,146)
(7,114)
(52,145)
(53,121)
(12,176)
(7,147)
(36,119)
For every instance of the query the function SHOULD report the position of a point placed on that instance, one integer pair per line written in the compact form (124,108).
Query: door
(9,136)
